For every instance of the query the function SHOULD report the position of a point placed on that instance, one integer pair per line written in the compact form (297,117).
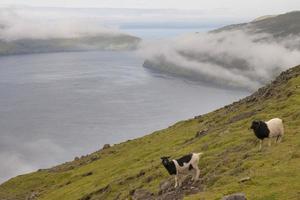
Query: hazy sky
(234,7)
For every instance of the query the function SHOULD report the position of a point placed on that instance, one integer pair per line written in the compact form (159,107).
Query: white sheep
(270,129)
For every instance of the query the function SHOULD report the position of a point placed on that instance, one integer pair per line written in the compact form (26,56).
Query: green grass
(231,153)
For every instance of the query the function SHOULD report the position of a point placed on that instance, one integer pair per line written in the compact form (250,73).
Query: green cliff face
(230,154)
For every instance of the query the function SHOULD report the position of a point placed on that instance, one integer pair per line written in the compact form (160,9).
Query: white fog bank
(230,58)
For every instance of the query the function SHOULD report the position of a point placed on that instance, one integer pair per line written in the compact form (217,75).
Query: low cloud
(28,156)
(12,165)
(231,59)
(18,23)
(41,23)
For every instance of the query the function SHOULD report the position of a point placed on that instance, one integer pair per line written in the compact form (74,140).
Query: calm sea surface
(59,105)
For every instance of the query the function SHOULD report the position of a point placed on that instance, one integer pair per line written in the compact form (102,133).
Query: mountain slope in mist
(237,56)
(30,31)
(230,155)
(278,26)
(87,43)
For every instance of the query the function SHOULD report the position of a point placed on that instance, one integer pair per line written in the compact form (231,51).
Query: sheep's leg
(279,138)
(260,144)
(176,181)
(179,181)
(270,142)
(193,174)
(197,173)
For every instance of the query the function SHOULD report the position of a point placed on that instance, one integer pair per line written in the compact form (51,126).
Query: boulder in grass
(237,196)
(106,146)
(142,194)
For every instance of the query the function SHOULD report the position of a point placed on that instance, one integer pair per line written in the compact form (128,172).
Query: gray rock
(142,194)
(106,146)
(244,179)
(141,173)
(188,187)
(173,195)
(201,133)
(32,196)
(164,186)
(236,196)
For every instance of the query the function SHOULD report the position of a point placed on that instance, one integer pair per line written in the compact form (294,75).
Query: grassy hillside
(230,154)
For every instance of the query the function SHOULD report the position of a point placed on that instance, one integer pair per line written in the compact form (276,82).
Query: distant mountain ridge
(277,25)
(87,43)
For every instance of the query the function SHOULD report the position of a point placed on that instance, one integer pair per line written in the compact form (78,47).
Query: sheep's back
(275,126)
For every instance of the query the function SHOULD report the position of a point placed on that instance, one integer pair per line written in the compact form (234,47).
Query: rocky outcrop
(32,196)
(106,146)
(142,194)
(168,192)
(237,196)
(201,133)
(268,91)
(100,194)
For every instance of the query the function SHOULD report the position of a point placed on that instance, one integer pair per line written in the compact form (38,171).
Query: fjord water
(59,105)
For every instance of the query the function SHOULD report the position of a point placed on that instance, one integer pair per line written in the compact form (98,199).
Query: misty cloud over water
(43,23)
(25,23)
(231,58)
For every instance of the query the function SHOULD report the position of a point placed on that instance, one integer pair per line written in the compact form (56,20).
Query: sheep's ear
(256,122)
(165,157)
(259,123)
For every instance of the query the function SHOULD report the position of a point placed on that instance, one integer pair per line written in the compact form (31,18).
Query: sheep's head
(165,160)
(255,125)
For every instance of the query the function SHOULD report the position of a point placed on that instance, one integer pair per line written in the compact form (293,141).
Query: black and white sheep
(182,165)
(270,129)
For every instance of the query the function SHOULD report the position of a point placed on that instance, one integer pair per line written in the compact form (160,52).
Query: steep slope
(230,154)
